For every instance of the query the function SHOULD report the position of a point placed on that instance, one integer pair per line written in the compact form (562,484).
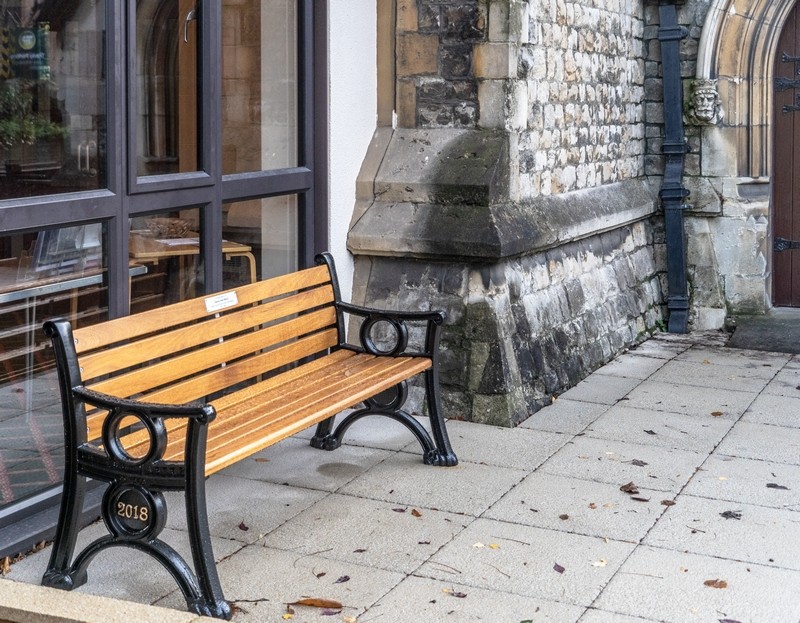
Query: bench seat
(160,400)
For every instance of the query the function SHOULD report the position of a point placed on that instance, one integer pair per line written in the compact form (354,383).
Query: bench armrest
(397,320)
(203,413)
(435,316)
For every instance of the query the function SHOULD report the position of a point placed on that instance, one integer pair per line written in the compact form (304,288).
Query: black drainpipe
(673,192)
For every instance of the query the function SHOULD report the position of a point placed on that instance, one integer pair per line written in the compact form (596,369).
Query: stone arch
(737,47)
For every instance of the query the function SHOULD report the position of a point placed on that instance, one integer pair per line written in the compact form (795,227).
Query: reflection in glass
(168,245)
(52,97)
(269,228)
(259,85)
(56,272)
(166,80)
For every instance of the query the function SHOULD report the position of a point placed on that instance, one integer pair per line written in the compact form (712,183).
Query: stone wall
(512,194)
(728,211)
(521,331)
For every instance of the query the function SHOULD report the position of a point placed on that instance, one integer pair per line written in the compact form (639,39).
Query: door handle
(191,15)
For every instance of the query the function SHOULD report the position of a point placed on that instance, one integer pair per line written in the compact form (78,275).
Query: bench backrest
(192,349)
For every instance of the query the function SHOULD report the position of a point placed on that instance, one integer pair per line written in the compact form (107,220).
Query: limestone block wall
(520,331)
(728,209)
(512,193)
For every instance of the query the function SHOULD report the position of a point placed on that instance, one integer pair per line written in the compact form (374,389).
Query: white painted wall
(352,26)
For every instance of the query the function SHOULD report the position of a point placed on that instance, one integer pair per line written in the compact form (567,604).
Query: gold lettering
(133,511)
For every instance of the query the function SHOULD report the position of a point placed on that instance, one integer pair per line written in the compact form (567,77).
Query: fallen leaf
(609,505)
(399,510)
(638,463)
(349,620)
(716,583)
(706,361)
(261,460)
(558,568)
(563,517)
(592,505)
(327,612)
(359,551)
(244,527)
(639,499)
(316,602)
(651,432)
(600,563)
(416,513)
(451,592)
(287,616)
(494,546)
(729,621)
(731,515)
(717,413)
(774,485)
(667,502)
(629,488)
(321,574)
(5,566)
(423,542)
(343,579)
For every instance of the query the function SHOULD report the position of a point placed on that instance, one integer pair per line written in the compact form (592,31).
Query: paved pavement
(664,487)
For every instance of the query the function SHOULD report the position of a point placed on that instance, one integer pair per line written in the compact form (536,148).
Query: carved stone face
(704,106)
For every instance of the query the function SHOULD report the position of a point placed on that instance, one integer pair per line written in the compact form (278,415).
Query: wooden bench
(160,400)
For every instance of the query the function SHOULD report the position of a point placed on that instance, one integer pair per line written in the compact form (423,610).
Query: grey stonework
(522,330)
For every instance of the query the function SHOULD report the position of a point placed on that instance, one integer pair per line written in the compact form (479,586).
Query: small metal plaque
(221,301)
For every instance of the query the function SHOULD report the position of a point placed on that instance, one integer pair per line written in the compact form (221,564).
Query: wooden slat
(156,320)
(183,366)
(289,419)
(183,338)
(218,379)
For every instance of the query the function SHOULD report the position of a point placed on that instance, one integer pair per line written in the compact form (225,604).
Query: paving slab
(660,348)
(774,409)
(748,481)
(593,615)
(618,462)
(468,488)
(368,532)
(763,441)
(786,382)
(580,507)
(524,449)
(659,428)
(423,599)
(601,388)
(565,416)
(731,530)
(261,581)
(553,565)
(670,586)
(294,462)
(633,365)
(689,400)
(736,357)
(711,375)
(121,572)
(244,510)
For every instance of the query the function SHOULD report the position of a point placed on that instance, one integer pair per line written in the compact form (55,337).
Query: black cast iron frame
(138,482)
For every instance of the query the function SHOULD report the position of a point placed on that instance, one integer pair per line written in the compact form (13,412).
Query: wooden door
(786,167)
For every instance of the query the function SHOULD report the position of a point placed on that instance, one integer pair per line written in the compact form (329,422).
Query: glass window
(167,244)
(259,85)
(268,228)
(166,76)
(55,272)
(52,97)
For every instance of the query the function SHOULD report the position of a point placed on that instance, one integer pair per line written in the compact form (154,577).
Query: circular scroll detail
(400,339)
(153,428)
